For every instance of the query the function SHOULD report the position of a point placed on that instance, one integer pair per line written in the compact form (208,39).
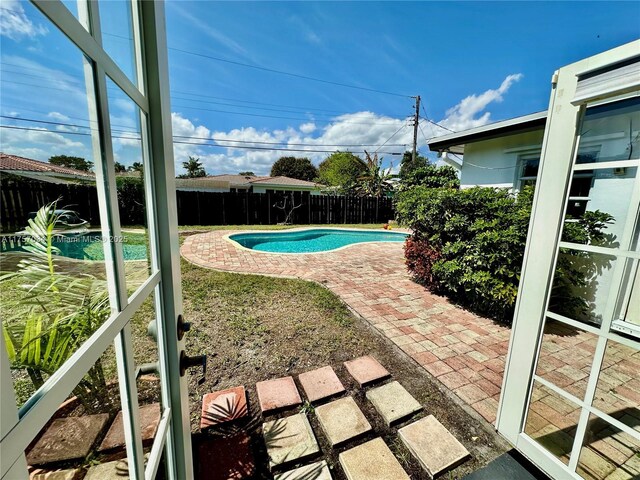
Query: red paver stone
(149,419)
(67,439)
(278,393)
(227,458)
(366,370)
(223,406)
(320,383)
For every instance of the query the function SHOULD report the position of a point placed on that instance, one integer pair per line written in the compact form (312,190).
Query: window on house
(528,171)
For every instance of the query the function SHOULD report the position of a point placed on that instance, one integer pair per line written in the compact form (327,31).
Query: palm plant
(55,312)
(376,182)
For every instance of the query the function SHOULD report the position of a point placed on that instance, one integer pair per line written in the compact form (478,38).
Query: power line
(246,147)
(388,139)
(426,117)
(272,70)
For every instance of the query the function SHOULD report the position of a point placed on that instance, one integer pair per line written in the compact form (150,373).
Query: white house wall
(492,163)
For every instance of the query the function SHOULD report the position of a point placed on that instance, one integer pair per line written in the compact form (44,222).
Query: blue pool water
(83,246)
(316,240)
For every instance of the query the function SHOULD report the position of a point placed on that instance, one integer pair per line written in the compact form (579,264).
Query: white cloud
(58,116)
(15,24)
(464,115)
(307,127)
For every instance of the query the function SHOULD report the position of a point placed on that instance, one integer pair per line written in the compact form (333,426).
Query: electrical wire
(480,166)
(388,139)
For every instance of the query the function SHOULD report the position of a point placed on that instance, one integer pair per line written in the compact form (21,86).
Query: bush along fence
(194,208)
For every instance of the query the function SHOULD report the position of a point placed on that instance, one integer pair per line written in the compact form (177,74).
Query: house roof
(16,164)
(201,182)
(455,142)
(278,181)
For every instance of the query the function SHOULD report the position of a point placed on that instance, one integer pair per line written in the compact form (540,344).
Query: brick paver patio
(465,352)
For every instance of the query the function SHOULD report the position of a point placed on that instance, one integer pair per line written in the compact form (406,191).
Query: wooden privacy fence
(208,208)
(18,199)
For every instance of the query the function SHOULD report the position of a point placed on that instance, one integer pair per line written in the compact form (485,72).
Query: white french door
(128,84)
(571,394)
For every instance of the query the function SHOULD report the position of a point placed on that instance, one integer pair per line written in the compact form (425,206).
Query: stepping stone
(320,384)
(118,470)
(223,406)
(149,420)
(67,439)
(433,445)
(69,474)
(315,471)
(393,402)
(342,420)
(289,439)
(227,458)
(372,461)
(278,393)
(366,370)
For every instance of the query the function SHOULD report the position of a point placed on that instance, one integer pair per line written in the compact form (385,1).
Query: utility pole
(416,119)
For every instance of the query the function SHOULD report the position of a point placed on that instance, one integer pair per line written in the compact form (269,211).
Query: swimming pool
(313,240)
(83,246)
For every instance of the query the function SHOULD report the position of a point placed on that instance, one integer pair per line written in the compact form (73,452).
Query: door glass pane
(598,206)
(610,132)
(117,35)
(54,287)
(552,421)
(581,285)
(618,388)
(129,163)
(566,355)
(76,435)
(608,453)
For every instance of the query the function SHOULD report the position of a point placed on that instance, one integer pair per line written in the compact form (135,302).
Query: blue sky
(472,63)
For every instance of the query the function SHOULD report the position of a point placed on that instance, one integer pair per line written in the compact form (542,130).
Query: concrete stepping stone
(227,458)
(278,393)
(366,370)
(223,406)
(68,474)
(67,438)
(342,420)
(315,471)
(149,420)
(118,470)
(393,402)
(288,439)
(320,383)
(372,460)
(433,445)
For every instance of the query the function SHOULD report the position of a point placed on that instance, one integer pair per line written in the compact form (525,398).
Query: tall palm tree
(194,168)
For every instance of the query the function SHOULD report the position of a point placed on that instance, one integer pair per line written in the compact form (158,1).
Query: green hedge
(469,245)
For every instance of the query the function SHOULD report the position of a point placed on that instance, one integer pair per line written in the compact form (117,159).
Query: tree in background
(194,168)
(77,163)
(407,165)
(135,167)
(376,182)
(341,170)
(431,176)
(294,167)
(247,174)
(119,168)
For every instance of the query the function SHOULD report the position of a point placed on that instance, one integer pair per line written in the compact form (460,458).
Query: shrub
(131,200)
(469,244)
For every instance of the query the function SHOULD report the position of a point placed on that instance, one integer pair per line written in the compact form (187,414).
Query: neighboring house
(241,183)
(43,171)
(507,154)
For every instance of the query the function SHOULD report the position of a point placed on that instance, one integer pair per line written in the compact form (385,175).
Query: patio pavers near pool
(464,351)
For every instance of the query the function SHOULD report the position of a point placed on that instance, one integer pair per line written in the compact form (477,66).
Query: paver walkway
(464,351)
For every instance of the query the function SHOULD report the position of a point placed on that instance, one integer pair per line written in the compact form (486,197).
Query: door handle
(189,362)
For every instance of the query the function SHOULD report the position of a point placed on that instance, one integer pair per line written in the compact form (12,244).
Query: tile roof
(281,180)
(201,182)
(237,179)
(22,164)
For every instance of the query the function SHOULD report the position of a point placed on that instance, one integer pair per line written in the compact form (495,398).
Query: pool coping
(228,238)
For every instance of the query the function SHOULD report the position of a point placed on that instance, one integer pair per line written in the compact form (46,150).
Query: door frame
(558,153)
(19,427)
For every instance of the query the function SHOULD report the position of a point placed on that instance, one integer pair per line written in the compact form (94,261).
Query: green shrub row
(469,245)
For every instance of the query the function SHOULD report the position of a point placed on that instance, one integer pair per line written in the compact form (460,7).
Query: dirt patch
(255,328)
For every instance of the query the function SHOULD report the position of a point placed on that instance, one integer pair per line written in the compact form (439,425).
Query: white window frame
(558,154)
(151,95)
